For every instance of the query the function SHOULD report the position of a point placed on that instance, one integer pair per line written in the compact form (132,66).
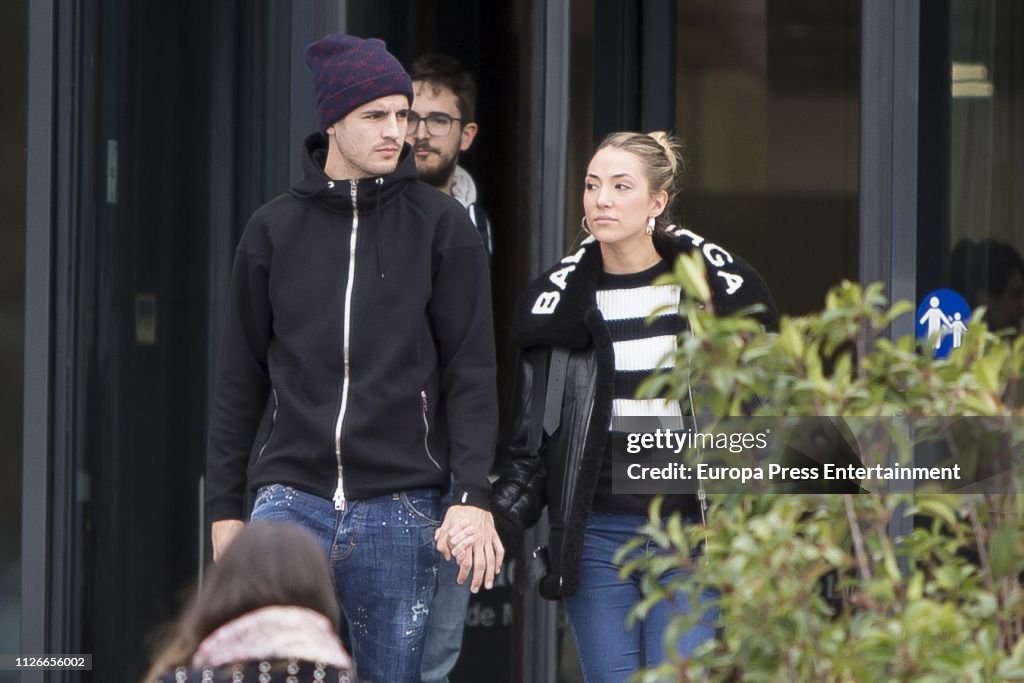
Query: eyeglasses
(438,124)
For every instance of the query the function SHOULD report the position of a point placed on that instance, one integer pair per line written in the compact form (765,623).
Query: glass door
(486,39)
(971,230)
(141,294)
(765,96)
(177,148)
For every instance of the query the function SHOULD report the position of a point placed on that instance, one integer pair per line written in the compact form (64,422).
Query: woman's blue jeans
(597,613)
(385,570)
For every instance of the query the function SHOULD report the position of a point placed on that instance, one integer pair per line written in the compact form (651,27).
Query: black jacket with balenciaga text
(559,470)
(358,352)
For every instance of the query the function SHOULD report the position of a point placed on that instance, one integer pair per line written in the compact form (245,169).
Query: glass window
(981,91)
(767,102)
(13,65)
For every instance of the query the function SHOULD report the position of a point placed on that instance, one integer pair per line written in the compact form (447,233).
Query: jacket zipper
(569,485)
(426,428)
(273,423)
(339,492)
(571,494)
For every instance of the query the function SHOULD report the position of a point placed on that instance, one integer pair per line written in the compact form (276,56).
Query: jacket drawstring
(377,235)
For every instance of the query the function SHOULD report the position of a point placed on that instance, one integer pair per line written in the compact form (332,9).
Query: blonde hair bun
(672,147)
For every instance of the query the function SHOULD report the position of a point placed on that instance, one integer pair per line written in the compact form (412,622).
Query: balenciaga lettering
(548,301)
(716,256)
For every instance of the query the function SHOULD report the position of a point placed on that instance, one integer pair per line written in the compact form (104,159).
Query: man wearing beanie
(356,381)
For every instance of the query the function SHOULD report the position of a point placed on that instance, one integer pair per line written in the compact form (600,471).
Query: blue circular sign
(941,321)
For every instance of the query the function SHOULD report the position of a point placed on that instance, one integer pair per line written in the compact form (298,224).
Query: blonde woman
(584,346)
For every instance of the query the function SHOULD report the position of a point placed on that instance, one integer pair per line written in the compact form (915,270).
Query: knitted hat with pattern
(348,72)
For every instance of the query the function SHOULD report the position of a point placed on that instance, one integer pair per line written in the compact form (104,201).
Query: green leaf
(915,588)
(1003,551)
(790,340)
(987,373)
(939,507)
(692,275)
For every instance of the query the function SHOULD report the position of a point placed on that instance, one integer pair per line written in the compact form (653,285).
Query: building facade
(858,139)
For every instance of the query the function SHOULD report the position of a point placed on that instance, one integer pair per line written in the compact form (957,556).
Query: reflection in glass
(986,156)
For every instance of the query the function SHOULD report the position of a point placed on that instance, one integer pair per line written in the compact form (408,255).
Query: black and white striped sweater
(626,302)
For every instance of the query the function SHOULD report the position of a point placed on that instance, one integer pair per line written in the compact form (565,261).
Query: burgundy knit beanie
(348,72)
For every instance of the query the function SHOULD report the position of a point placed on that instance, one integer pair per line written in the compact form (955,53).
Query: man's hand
(468,534)
(222,533)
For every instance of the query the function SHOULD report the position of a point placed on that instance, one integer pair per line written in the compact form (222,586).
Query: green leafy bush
(819,587)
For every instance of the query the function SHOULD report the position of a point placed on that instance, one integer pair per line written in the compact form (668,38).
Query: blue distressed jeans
(608,652)
(385,567)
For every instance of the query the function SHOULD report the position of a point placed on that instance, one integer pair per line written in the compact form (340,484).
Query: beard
(439,175)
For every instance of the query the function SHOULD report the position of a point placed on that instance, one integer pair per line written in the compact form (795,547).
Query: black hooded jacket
(358,352)
(559,467)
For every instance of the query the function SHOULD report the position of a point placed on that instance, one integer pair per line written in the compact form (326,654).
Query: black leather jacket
(556,462)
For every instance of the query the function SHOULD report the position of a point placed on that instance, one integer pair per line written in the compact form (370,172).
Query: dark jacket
(561,469)
(358,353)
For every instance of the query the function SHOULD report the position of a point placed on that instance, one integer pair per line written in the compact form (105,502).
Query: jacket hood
(463,187)
(554,309)
(372,192)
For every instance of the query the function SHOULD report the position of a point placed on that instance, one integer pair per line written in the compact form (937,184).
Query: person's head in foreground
(268,605)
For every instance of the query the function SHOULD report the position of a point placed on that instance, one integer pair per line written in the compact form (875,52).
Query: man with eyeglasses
(441,126)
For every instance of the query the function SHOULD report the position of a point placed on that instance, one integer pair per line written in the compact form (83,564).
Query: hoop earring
(650,225)
(583,225)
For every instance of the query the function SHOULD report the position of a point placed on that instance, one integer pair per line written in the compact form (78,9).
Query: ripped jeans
(385,570)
